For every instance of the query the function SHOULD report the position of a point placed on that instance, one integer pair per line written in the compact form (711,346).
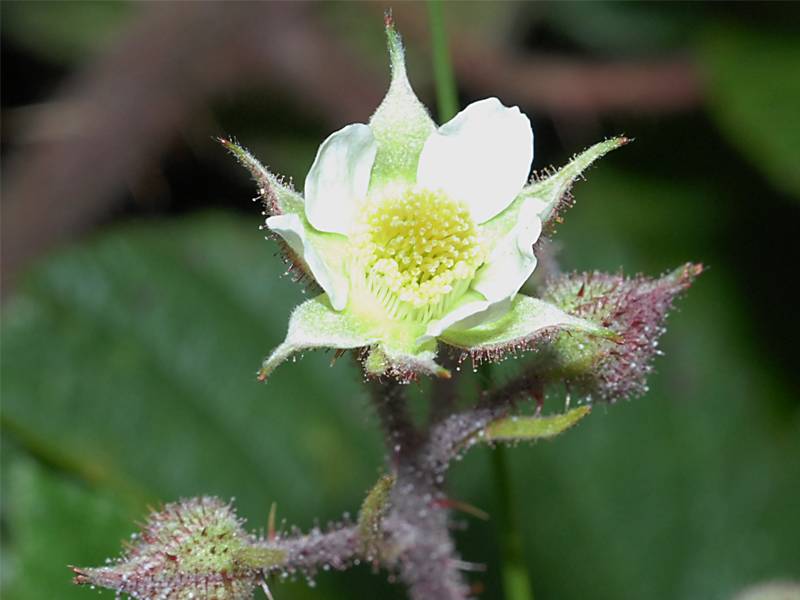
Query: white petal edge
(482,157)
(292,230)
(469,314)
(338,180)
(511,261)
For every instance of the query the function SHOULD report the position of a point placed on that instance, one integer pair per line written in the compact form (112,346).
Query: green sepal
(401,124)
(260,557)
(402,365)
(278,197)
(553,191)
(315,324)
(549,195)
(328,249)
(371,515)
(529,428)
(528,320)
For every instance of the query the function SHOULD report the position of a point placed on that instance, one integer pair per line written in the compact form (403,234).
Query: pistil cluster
(417,251)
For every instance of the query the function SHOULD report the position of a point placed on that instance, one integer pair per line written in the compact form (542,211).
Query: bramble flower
(418,234)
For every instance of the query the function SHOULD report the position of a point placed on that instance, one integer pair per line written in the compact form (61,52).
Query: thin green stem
(516,582)
(446,97)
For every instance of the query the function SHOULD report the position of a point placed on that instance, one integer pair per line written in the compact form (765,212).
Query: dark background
(139,296)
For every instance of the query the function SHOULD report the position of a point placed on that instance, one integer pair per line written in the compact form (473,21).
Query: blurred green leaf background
(139,296)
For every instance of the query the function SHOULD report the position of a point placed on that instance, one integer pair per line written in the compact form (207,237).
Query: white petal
(482,157)
(511,261)
(475,310)
(329,277)
(339,178)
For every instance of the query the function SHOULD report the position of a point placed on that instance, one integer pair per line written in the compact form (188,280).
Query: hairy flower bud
(190,549)
(614,368)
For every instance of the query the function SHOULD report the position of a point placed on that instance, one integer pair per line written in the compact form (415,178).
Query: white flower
(417,233)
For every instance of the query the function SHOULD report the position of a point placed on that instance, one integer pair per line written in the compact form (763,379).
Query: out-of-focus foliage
(52,520)
(64,32)
(619,28)
(129,358)
(701,475)
(129,366)
(754,91)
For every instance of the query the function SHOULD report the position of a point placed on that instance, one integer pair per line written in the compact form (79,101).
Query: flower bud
(190,549)
(634,309)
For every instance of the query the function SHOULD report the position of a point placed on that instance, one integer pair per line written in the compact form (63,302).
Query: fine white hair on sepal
(329,277)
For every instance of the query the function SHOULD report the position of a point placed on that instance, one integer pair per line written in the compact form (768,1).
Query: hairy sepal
(401,124)
(280,198)
(532,428)
(315,324)
(370,517)
(277,197)
(633,308)
(321,254)
(551,193)
(404,366)
(190,549)
(528,322)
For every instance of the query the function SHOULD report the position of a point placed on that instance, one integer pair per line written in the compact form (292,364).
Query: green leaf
(65,32)
(315,324)
(627,29)
(754,93)
(704,471)
(525,429)
(54,521)
(128,366)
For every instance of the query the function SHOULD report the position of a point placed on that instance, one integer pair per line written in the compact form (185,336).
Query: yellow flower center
(418,251)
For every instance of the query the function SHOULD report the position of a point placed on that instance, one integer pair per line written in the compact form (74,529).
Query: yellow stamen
(417,252)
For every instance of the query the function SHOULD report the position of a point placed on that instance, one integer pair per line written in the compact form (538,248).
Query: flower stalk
(515,576)
(446,94)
